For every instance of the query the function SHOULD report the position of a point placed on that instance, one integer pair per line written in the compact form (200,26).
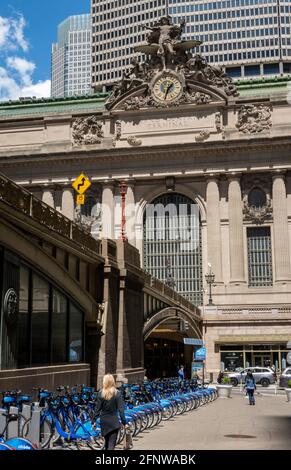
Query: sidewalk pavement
(226,424)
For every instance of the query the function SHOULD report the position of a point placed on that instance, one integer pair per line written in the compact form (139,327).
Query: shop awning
(239,339)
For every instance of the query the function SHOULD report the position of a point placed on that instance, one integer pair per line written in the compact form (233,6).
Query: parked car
(285,377)
(262,375)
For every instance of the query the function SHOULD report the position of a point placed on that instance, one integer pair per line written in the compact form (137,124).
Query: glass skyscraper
(71,57)
(251,38)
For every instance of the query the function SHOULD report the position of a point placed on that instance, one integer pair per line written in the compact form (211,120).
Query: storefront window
(59,328)
(248,359)
(23,317)
(76,334)
(40,321)
(232,360)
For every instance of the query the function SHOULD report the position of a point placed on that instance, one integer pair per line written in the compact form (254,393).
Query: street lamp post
(123,190)
(210,278)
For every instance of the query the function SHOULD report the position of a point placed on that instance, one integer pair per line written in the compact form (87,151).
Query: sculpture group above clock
(171,75)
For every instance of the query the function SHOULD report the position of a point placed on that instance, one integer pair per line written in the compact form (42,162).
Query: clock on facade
(167,88)
(10,305)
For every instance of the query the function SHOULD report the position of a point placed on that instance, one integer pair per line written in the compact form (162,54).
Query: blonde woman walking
(110,406)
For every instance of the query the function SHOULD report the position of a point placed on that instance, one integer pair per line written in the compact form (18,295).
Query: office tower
(251,38)
(117,26)
(71,57)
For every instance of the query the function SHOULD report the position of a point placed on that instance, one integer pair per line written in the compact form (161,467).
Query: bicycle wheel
(96,443)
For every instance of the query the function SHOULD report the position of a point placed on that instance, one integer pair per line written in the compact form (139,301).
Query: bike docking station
(12,423)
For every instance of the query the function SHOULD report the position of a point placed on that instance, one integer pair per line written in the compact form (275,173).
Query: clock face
(167,89)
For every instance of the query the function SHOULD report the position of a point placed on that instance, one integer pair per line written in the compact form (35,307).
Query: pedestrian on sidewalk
(181,374)
(250,386)
(220,377)
(110,406)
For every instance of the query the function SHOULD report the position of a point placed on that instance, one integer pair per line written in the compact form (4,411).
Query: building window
(172,244)
(40,321)
(59,328)
(76,334)
(22,324)
(50,327)
(259,256)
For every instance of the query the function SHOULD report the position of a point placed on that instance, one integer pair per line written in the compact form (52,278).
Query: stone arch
(153,194)
(158,191)
(167,314)
(46,264)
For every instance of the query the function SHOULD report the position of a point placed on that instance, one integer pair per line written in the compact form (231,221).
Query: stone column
(281,238)
(68,205)
(236,245)
(130,213)
(48,197)
(58,198)
(108,210)
(213,228)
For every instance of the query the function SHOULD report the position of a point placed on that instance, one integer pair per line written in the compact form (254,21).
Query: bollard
(3,422)
(13,426)
(34,426)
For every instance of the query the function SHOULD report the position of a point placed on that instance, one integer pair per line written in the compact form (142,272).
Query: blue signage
(193,341)
(200,354)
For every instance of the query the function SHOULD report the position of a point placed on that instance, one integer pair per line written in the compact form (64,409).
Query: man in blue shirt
(181,374)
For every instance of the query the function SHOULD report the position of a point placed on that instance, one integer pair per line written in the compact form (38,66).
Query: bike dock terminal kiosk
(199,355)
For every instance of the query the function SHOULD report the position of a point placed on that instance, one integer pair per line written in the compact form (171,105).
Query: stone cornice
(226,148)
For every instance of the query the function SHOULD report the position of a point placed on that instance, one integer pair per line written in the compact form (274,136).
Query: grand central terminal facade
(212,161)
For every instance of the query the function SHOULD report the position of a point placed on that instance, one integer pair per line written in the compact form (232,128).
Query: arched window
(257,198)
(89,208)
(172,244)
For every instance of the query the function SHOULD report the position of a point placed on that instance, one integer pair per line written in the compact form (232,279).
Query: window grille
(259,256)
(172,244)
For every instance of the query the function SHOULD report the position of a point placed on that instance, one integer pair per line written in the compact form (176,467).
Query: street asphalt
(226,424)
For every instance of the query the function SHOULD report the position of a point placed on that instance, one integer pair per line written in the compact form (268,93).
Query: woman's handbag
(128,444)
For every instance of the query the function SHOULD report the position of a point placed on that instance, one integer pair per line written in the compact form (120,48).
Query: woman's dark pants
(110,440)
(251,397)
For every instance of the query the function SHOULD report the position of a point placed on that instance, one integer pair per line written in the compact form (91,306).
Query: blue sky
(27,30)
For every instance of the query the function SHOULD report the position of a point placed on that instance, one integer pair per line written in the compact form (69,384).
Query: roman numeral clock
(167,88)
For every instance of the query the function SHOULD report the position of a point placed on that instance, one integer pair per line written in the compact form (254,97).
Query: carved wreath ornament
(254,118)
(87,131)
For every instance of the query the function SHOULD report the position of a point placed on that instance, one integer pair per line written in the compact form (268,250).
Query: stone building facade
(227,154)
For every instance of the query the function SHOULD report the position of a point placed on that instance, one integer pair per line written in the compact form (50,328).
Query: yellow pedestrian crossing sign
(81,184)
(80,199)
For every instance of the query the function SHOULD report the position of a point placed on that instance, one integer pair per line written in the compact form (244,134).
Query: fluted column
(68,205)
(108,210)
(213,228)
(48,197)
(236,246)
(130,212)
(281,237)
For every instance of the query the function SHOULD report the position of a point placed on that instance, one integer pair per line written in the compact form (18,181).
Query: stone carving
(134,141)
(170,72)
(117,135)
(254,118)
(203,135)
(118,130)
(201,71)
(257,214)
(218,122)
(87,131)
